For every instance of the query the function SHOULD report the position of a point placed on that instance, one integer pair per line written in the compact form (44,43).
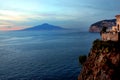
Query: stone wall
(110,36)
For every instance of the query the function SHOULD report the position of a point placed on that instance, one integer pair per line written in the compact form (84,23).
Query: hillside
(103,62)
(44,26)
(96,27)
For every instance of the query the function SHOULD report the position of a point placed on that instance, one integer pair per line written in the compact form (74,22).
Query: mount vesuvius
(44,26)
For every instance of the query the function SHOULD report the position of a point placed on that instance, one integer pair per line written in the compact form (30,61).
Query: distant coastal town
(112,34)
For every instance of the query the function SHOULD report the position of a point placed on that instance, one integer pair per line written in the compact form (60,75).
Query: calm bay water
(43,55)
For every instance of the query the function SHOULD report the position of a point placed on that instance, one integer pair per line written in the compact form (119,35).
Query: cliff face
(96,27)
(103,62)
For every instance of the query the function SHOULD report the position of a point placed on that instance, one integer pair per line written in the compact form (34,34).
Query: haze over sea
(43,55)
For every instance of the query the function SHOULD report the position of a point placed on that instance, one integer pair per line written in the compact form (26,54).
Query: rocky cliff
(96,27)
(103,62)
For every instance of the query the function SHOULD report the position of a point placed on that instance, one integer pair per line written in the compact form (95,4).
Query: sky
(78,14)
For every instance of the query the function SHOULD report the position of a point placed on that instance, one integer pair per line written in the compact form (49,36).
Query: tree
(104,29)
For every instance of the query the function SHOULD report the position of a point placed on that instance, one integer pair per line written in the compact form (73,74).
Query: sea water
(43,55)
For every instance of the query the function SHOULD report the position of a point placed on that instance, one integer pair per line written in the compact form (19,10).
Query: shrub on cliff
(103,62)
(82,59)
(108,45)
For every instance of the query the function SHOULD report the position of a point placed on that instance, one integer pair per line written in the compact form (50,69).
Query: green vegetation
(103,61)
(104,30)
(82,59)
(106,46)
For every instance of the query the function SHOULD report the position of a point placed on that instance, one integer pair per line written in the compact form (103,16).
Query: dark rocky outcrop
(103,62)
(96,27)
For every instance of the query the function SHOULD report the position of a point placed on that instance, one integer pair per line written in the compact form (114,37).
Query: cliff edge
(103,62)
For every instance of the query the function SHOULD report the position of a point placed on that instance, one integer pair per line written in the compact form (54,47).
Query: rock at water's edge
(103,62)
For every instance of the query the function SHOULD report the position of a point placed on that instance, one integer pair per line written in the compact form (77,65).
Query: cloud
(25,16)
(4,25)
(104,5)
(10,28)
(11,15)
(21,19)
(21,13)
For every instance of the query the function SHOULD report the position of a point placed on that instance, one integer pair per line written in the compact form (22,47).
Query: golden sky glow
(9,28)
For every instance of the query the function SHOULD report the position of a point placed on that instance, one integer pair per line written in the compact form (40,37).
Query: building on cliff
(114,33)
